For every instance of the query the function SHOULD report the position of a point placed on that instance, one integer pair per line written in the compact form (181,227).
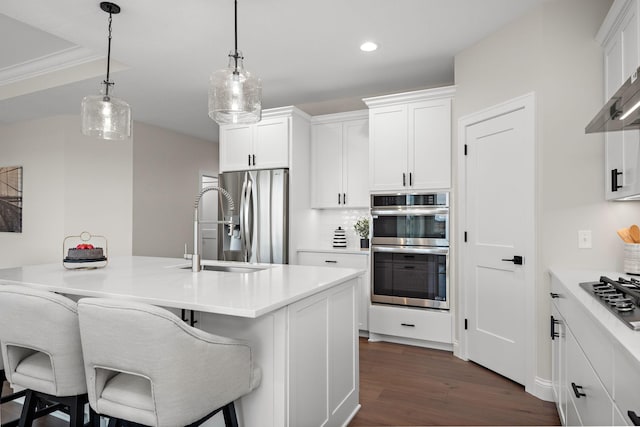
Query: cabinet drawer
(626,384)
(329,259)
(594,404)
(596,345)
(418,324)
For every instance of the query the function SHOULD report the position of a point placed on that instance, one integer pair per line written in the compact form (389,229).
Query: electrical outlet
(584,239)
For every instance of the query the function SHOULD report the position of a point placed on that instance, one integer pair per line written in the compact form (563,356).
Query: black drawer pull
(409,267)
(554,295)
(330,261)
(576,390)
(634,418)
(411,325)
(554,334)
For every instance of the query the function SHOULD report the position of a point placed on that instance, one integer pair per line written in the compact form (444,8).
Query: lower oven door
(410,275)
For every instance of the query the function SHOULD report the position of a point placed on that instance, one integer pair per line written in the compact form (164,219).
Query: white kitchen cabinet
(558,364)
(410,140)
(594,379)
(627,381)
(619,36)
(591,400)
(264,145)
(340,160)
(360,261)
(424,327)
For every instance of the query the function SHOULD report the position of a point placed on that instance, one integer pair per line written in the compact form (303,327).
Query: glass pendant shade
(235,96)
(106,117)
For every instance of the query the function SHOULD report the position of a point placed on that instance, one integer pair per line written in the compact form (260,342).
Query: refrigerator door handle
(248,220)
(243,204)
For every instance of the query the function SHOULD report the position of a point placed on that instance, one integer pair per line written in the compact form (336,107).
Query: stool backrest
(190,372)
(33,320)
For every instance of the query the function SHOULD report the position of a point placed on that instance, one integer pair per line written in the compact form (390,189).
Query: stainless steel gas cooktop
(621,297)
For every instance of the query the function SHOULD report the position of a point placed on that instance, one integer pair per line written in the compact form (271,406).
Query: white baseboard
(542,389)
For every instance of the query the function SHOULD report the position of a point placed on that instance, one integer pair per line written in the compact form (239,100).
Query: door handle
(404,179)
(554,295)
(517,260)
(253,157)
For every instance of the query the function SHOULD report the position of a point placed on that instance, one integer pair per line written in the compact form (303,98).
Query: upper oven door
(410,226)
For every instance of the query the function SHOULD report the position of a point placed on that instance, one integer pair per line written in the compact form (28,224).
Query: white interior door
(499,222)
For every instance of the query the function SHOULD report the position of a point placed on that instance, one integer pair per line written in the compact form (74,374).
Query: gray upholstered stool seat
(41,351)
(145,365)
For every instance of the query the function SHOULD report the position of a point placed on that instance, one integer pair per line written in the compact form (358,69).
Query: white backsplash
(328,220)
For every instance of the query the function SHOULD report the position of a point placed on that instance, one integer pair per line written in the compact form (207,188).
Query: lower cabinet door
(627,385)
(591,400)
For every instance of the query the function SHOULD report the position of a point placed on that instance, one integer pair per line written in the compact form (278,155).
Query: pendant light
(235,96)
(105,116)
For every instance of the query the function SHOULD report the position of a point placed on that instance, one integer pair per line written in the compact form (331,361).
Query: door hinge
(465,236)
(466,324)
(465,149)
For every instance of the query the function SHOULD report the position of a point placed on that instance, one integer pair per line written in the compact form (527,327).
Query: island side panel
(267,405)
(323,351)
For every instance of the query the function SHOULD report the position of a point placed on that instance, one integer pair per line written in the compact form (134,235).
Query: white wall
(552,52)
(138,194)
(71,184)
(165,185)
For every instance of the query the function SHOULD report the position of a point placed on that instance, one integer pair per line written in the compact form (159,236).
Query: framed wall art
(11,199)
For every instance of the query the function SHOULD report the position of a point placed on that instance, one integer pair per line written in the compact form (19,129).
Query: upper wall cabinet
(264,145)
(340,160)
(619,37)
(410,140)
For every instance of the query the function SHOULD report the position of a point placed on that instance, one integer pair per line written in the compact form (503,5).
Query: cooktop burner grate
(621,297)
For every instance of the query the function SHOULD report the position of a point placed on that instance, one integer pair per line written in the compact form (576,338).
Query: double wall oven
(410,249)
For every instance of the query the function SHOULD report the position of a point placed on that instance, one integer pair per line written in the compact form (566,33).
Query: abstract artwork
(11,199)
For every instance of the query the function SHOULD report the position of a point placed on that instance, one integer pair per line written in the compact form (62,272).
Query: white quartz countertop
(161,281)
(627,337)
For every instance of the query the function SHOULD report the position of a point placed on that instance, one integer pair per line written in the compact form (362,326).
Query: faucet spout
(196,258)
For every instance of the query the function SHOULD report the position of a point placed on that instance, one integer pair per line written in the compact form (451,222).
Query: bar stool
(40,341)
(145,365)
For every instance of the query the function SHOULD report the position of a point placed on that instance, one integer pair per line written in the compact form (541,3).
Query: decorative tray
(84,251)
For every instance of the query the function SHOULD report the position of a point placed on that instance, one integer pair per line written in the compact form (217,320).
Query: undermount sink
(229,268)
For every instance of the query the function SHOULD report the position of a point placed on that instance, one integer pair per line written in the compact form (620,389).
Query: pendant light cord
(107,83)
(235,26)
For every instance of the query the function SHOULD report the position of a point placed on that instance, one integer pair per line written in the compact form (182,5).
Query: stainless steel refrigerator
(261,230)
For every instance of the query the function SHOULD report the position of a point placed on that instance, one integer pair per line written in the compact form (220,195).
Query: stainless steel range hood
(622,111)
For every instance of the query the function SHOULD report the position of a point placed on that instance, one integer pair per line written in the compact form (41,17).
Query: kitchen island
(301,322)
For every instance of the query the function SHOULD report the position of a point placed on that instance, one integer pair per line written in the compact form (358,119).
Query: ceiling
(306,52)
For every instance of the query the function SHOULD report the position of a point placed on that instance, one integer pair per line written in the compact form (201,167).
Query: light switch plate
(584,239)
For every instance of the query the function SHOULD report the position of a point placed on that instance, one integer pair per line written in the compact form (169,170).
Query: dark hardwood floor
(411,386)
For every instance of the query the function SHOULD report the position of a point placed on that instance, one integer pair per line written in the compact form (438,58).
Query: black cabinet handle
(249,159)
(554,295)
(576,390)
(410,325)
(344,198)
(329,261)
(614,180)
(338,198)
(554,334)
(254,159)
(409,267)
(634,418)
(410,179)
(404,179)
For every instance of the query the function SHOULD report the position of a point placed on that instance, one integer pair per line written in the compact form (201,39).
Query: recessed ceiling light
(368,46)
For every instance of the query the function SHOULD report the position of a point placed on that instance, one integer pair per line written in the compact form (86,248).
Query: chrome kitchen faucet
(195,257)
